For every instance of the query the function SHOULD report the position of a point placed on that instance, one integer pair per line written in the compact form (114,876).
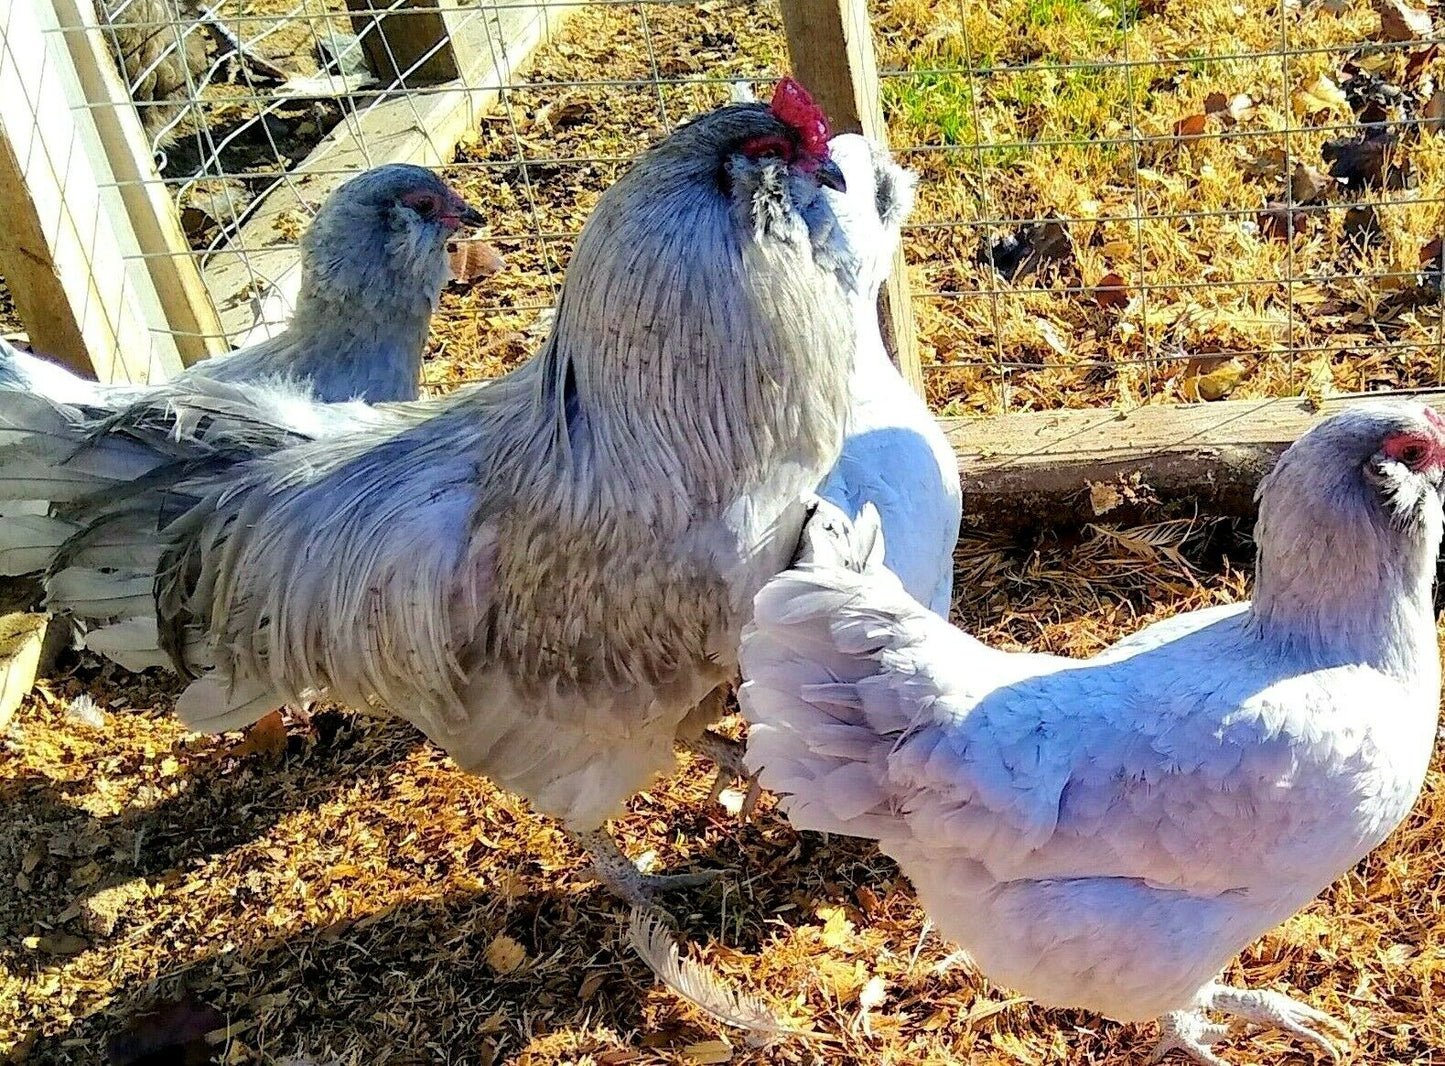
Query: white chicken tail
(821,692)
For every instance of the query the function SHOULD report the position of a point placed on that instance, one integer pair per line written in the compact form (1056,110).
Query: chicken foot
(621,875)
(728,755)
(1192,1033)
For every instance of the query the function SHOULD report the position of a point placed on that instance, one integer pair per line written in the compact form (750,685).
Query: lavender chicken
(548,576)
(373,265)
(1108,833)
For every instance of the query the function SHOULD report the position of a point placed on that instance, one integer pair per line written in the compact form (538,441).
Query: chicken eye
(770,146)
(1413,455)
(424,204)
(1410,449)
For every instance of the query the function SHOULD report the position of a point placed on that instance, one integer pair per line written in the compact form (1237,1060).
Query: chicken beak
(469,215)
(830,176)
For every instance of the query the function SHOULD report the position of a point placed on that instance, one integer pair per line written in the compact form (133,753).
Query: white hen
(895,456)
(1108,833)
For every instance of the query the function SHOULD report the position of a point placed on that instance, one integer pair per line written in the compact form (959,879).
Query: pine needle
(700,986)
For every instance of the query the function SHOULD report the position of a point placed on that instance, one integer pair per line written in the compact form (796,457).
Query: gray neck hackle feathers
(1330,489)
(372,274)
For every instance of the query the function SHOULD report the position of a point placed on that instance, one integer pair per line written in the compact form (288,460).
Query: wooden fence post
(190,316)
(831,44)
(68,252)
(405,47)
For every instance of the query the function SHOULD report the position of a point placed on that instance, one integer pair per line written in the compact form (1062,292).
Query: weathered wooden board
(491,41)
(70,256)
(22,635)
(406,43)
(1072,467)
(185,303)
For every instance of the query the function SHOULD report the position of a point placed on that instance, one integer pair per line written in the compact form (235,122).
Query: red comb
(792,104)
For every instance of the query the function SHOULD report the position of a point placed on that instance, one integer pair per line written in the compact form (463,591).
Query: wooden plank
(189,315)
(405,47)
(831,45)
(423,128)
(52,323)
(1063,468)
(21,637)
(72,252)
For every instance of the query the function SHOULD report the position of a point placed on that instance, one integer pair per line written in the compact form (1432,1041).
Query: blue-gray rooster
(547,575)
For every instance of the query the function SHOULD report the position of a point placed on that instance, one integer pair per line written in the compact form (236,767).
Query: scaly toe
(728,755)
(719,783)
(673,882)
(1191,1034)
(1273,1010)
(643,890)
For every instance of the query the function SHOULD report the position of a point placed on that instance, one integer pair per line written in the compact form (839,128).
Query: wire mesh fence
(1123,201)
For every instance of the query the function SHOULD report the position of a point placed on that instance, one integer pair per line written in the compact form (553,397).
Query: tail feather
(807,660)
(101,594)
(47,452)
(214,703)
(28,542)
(133,644)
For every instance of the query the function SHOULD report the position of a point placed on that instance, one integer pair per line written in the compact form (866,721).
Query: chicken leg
(621,875)
(728,755)
(1192,1033)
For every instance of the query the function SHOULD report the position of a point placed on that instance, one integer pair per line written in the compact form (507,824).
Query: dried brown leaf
(1400,22)
(504,954)
(591,985)
(473,260)
(1418,60)
(1191,126)
(1319,380)
(706,1052)
(1104,496)
(266,738)
(564,113)
(1308,185)
(1111,292)
(57,944)
(1215,383)
(1280,222)
(1229,109)
(1432,115)
(1319,95)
